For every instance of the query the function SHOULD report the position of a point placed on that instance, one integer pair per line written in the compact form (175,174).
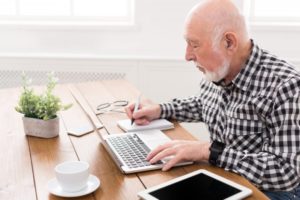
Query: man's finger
(157,150)
(129,110)
(163,154)
(171,163)
(142,121)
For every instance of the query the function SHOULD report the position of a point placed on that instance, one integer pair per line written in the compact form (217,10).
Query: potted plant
(40,111)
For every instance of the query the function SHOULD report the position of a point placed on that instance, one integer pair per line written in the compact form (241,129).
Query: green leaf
(44,106)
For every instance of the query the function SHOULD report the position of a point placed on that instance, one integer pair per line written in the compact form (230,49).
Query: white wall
(152,52)
(281,41)
(157,33)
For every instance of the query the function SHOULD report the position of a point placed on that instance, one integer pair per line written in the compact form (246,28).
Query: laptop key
(132,149)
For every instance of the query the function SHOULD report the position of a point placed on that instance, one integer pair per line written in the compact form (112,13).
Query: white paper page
(161,124)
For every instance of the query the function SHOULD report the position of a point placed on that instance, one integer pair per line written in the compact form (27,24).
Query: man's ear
(230,41)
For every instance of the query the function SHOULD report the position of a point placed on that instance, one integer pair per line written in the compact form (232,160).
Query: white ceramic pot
(41,128)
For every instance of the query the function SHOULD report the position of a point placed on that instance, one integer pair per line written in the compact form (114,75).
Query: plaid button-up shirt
(257,116)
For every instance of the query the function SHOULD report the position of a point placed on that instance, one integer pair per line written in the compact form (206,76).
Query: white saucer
(92,184)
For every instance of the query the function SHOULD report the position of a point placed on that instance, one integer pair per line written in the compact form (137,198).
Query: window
(282,11)
(67,11)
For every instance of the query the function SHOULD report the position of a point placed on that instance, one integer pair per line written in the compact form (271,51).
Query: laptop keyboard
(132,149)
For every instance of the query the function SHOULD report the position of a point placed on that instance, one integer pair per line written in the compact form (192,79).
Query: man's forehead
(195,31)
(192,36)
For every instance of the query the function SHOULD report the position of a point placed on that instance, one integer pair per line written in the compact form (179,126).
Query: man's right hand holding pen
(144,112)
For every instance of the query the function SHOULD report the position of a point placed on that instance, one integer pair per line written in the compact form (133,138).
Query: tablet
(199,184)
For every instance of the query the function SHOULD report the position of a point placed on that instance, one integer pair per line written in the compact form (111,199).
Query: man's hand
(180,151)
(147,112)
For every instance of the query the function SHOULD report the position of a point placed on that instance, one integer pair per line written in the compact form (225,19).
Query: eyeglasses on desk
(111,107)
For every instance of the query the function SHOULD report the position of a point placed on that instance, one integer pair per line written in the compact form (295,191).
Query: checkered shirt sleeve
(257,116)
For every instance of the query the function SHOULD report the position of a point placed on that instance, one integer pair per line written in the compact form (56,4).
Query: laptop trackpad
(153,138)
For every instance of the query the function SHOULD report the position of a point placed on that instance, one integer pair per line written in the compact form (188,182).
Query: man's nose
(189,56)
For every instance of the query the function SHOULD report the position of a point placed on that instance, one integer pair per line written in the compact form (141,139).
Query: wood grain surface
(27,163)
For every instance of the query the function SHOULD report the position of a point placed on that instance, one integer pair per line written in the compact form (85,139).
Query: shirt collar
(244,77)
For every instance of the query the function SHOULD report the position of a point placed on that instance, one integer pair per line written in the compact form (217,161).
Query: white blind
(67,9)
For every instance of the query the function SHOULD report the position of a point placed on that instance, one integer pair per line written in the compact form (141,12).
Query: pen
(136,107)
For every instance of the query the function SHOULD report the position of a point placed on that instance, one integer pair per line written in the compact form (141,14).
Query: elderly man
(250,101)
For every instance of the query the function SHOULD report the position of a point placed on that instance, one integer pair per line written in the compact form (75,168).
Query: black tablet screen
(199,186)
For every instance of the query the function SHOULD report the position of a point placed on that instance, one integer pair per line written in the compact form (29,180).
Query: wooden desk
(27,163)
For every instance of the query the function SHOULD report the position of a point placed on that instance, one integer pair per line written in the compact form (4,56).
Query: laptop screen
(200,186)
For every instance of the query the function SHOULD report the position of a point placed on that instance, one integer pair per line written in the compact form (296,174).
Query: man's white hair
(220,19)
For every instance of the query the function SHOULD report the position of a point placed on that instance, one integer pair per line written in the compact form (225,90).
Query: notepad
(161,124)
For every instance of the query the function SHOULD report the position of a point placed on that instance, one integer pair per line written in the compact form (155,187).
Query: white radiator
(13,78)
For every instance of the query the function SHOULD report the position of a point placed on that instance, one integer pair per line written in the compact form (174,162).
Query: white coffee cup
(72,176)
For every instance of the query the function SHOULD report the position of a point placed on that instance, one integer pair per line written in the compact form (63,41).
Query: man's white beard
(219,74)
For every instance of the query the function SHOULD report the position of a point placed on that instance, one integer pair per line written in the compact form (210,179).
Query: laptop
(200,184)
(129,150)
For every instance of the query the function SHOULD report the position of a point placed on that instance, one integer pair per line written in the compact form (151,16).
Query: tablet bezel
(244,191)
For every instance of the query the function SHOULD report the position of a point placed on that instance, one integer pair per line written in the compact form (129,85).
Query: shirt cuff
(167,110)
